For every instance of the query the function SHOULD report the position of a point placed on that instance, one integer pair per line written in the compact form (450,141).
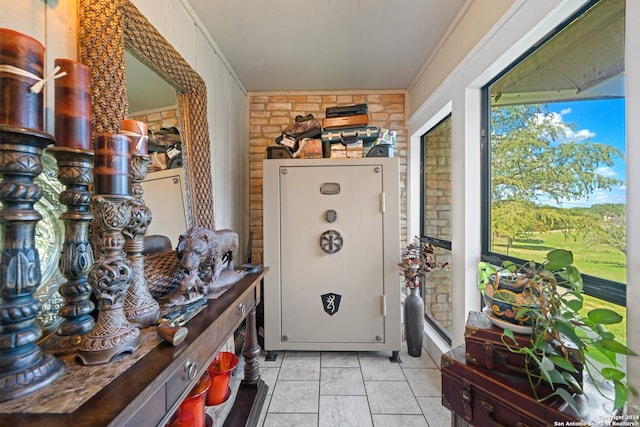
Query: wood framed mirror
(105,28)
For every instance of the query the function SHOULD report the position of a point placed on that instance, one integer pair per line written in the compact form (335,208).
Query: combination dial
(331,241)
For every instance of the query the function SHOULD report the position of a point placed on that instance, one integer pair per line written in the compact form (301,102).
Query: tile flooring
(336,389)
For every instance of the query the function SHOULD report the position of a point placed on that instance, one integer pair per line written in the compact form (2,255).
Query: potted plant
(417,259)
(548,297)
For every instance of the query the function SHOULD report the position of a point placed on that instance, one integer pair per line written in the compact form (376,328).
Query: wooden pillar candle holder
(139,306)
(24,367)
(110,276)
(75,171)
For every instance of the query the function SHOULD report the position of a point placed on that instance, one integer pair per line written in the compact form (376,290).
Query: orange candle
(112,164)
(21,66)
(73,105)
(137,133)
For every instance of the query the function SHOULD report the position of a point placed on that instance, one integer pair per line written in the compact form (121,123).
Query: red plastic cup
(195,401)
(182,418)
(220,371)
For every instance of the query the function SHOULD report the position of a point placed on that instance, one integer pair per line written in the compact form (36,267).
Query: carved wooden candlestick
(139,306)
(24,367)
(110,276)
(75,171)
(113,334)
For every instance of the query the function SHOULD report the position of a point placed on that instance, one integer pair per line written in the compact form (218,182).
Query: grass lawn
(596,260)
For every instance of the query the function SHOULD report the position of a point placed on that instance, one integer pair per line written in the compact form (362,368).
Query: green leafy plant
(560,327)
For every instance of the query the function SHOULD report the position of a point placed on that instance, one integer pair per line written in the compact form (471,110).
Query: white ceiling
(326,44)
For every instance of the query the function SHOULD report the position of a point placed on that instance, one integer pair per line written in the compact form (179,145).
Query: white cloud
(606,171)
(558,120)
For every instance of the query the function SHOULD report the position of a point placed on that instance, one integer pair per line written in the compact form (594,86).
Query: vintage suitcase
(347,110)
(279,152)
(484,397)
(366,134)
(485,348)
(345,121)
(380,150)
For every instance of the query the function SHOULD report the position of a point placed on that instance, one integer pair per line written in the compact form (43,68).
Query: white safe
(164,194)
(332,243)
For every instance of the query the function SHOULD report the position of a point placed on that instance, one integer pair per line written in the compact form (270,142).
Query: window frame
(604,289)
(435,241)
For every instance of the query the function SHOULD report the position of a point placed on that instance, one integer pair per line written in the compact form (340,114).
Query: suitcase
(366,134)
(380,150)
(485,348)
(347,110)
(345,121)
(483,397)
(279,152)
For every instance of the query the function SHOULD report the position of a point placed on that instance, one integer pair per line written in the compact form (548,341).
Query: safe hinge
(383,304)
(382,203)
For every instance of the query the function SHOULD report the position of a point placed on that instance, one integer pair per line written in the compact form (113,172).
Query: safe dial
(331,241)
(330,215)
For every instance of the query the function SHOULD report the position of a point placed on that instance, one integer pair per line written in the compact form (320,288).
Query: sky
(603,121)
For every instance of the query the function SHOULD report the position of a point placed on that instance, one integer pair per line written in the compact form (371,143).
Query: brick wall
(270,113)
(158,119)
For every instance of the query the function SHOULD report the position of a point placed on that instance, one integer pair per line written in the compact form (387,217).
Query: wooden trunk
(484,397)
(485,348)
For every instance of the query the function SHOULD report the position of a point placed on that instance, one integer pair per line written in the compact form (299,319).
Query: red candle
(112,164)
(21,66)
(73,105)
(137,132)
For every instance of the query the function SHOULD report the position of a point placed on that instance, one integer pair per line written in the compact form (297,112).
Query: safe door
(331,259)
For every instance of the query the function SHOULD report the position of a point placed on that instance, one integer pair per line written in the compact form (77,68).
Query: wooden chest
(485,348)
(484,397)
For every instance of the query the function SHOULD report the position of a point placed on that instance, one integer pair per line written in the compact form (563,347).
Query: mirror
(146,90)
(105,28)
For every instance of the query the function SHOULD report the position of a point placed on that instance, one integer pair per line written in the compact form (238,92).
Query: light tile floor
(336,389)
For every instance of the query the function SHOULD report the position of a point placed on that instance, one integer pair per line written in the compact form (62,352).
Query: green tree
(531,161)
(533,164)
(610,227)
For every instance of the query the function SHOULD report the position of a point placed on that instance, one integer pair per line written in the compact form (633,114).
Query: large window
(554,153)
(436,223)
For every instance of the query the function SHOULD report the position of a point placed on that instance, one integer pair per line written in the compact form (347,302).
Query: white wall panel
(221,166)
(156,12)
(182,31)
(237,162)
(24,16)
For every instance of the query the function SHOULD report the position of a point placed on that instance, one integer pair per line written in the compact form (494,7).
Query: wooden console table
(150,391)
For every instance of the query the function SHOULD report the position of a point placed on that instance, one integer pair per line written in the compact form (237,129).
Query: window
(554,168)
(436,223)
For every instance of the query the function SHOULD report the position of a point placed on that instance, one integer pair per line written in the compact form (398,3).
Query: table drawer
(197,362)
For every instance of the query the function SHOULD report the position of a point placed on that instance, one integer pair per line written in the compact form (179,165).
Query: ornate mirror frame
(105,27)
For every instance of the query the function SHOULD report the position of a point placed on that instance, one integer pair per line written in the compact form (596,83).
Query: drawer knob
(242,309)
(190,370)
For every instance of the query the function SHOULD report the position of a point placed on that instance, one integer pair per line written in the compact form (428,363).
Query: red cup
(195,401)
(220,370)
(182,418)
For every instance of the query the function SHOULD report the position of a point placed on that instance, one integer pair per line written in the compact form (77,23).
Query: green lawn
(596,260)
